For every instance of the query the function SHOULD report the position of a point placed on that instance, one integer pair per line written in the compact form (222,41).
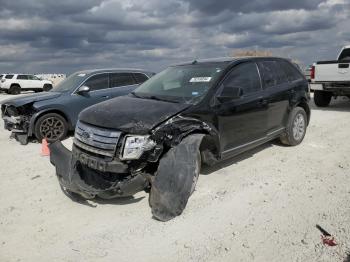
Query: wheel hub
(299,127)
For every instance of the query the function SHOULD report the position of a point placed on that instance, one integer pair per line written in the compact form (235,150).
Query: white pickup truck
(331,78)
(15,83)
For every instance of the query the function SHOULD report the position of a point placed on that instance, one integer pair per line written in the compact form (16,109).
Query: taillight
(3,80)
(312,74)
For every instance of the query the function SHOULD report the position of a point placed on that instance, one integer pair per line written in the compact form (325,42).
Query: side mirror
(83,90)
(230,93)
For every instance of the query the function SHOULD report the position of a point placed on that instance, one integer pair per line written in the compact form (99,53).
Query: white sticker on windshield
(82,75)
(200,79)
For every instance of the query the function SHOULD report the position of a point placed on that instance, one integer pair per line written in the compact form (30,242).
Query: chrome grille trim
(96,140)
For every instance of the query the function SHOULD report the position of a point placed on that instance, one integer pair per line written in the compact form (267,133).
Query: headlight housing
(134,146)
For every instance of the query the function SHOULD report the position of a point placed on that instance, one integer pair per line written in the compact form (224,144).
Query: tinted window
(345,55)
(140,78)
(9,76)
(1,76)
(272,73)
(22,77)
(292,72)
(97,82)
(122,79)
(32,77)
(246,77)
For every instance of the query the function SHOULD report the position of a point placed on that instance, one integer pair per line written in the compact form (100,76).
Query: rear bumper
(338,88)
(82,175)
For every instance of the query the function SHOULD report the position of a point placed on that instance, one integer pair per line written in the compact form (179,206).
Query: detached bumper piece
(83,175)
(15,125)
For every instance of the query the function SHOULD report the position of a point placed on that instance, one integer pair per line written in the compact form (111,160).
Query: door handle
(106,96)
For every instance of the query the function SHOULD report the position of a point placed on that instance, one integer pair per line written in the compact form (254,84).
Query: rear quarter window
(292,72)
(9,76)
(140,78)
(22,77)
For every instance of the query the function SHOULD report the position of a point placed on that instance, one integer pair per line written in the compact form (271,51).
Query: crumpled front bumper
(15,125)
(77,177)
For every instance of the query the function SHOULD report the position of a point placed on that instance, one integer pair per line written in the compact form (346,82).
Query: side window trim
(109,84)
(141,73)
(83,83)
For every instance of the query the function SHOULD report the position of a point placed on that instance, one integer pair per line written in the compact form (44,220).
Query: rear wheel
(296,127)
(322,98)
(47,87)
(15,90)
(51,126)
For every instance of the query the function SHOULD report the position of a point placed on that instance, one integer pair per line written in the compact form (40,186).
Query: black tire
(51,126)
(296,127)
(15,90)
(176,179)
(47,87)
(322,98)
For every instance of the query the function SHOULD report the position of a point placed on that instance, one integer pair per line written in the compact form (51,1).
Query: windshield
(181,84)
(72,82)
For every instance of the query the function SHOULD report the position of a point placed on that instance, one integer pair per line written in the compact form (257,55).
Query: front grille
(96,140)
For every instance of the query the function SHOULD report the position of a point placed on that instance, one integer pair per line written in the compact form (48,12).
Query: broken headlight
(134,146)
(11,111)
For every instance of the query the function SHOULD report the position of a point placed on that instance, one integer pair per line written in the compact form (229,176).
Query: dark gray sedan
(53,114)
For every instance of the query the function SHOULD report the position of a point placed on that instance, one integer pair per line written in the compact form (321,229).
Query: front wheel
(176,179)
(51,126)
(296,127)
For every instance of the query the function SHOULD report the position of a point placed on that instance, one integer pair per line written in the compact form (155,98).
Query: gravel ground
(260,206)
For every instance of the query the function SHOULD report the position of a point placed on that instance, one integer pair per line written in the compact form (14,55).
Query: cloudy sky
(69,35)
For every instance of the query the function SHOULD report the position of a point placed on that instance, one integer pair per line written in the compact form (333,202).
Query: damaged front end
(101,165)
(109,164)
(18,120)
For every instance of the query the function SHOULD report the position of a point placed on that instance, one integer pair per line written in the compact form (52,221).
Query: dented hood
(20,101)
(130,114)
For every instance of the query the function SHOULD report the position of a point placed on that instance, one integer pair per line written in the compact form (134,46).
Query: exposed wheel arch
(303,104)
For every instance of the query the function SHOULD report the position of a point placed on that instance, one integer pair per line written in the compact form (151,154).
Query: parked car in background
(15,83)
(156,138)
(53,114)
(331,78)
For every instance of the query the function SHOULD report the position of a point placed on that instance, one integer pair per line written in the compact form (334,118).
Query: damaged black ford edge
(156,138)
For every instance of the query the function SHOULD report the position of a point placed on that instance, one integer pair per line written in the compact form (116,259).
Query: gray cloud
(67,35)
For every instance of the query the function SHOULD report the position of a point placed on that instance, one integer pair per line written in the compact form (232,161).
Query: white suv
(15,83)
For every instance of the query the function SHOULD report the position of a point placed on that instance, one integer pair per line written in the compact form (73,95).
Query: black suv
(156,138)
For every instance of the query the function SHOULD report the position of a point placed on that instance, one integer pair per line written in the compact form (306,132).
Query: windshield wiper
(162,99)
(135,95)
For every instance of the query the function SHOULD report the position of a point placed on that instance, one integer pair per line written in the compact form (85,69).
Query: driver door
(242,121)
(99,92)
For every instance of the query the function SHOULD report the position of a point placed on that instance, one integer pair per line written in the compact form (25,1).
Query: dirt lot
(261,206)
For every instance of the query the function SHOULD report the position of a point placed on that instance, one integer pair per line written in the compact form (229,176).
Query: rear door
(23,81)
(278,89)
(242,121)
(122,84)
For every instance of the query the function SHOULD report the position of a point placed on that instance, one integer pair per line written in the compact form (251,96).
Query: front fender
(173,131)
